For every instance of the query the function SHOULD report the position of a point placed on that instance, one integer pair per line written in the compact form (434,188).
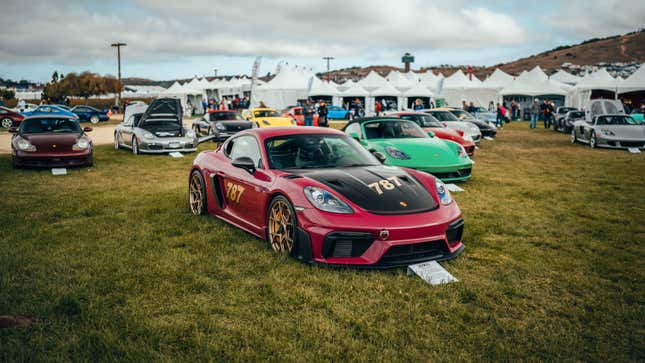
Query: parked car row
(604,123)
(12,117)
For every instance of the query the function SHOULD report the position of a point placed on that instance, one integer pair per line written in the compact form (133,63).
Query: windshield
(577,114)
(444,116)
(391,129)
(266,113)
(462,115)
(316,151)
(423,120)
(226,116)
(49,125)
(616,120)
(565,109)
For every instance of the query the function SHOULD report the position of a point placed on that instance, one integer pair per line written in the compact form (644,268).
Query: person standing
(500,115)
(464,105)
(548,113)
(418,105)
(308,113)
(471,108)
(491,106)
(322,114)
(535,111)
(377,108)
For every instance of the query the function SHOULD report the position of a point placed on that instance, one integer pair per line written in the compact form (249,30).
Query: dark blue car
(91,114)
(48,110)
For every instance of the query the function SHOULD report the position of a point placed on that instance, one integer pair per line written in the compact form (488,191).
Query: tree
(84,85)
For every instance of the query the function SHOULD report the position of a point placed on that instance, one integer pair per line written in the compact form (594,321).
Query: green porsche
(403,143)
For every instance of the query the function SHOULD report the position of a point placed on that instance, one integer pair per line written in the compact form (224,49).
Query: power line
(328,59)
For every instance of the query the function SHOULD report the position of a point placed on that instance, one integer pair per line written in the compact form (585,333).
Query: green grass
(112,266)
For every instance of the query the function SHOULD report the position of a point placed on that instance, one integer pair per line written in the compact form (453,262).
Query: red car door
(244,191)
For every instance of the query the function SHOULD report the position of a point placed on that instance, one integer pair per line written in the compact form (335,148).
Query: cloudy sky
(182,38)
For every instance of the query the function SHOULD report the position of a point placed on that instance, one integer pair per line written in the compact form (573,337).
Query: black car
(565,124)
(91,114)
(221,124)
(559,114)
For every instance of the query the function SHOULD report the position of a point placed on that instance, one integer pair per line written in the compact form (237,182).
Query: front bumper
(488,132)
(356,240)
(157,146)
(53,160)
(614,143)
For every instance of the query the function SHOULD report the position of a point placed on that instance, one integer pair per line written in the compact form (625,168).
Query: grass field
(110,265)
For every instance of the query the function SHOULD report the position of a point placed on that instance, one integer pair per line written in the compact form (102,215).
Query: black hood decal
(375,188)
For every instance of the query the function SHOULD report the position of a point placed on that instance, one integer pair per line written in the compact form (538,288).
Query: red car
(9,118)
(51,141)
(429,123)
(296,114)
(319,196)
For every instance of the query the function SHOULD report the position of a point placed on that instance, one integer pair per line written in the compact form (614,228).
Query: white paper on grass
(176,154)
(431,272)
(59,171)
(476,147)
(634,150)
(454,188)
(488,138)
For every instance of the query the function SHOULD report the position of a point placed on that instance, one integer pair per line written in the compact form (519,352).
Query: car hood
(354,184)
(233,125)
(625,131)
(165,109)
(46,142)
(423,152)
(274,121)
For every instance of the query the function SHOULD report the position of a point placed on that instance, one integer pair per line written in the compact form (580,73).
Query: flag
(254,81)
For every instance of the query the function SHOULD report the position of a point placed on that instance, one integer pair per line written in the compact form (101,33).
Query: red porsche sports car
(51,141)
(9,118)
(295,113)
(429,123)
(321,197)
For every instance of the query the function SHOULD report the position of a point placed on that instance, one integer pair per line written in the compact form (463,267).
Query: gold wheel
(281,226)
(196,195)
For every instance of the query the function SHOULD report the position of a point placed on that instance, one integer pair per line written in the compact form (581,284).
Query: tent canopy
(565,77)
(635,82)
(399,81)
(418,90)
(322,88)
(356,90)
(498,79)
(387,90)
(372,81)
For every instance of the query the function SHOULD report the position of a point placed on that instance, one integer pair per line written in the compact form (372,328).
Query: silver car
(155,129)
(471,131)
(617,131)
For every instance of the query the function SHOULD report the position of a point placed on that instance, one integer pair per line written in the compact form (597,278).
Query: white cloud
(585,19)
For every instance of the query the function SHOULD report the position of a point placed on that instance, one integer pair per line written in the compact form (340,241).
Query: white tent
(430,80)
(413,76)
(322,88)
(600,80)
(498,80)
(535,75)
(458,87)
(418,91)
(533,89)
(635,82)
(399,81)
(348,84)
(356,90)
(285,89)
(372,81)
(565,77)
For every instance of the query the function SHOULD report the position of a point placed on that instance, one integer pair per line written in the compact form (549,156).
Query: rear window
(219,116)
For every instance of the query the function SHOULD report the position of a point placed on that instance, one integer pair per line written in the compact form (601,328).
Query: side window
(412,118)
(354,128)
(244,146)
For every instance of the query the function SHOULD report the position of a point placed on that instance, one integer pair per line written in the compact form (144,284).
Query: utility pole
(215,72)
(328,59)
(118,56)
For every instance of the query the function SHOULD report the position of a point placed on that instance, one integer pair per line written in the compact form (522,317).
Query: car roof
(263,109)
(268,132)
(50,116)
(440,109)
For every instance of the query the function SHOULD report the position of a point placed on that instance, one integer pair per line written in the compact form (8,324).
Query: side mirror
(13,130)
(245,163)
(354,136)
(87,129)
(431,134)
(379,156)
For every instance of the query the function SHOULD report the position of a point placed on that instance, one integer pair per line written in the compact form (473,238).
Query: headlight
(220,127)
(190,133)
(461,151)
(294,122)
(607,132)
(81,144)
(468,138)
(148,135)
(444,194)
(396,153)
(325,201)
(266,122)
(25,145)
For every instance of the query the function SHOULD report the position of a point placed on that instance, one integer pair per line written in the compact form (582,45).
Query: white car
(471,131)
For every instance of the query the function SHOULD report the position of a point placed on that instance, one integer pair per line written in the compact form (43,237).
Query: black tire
(135,146)
(281,235)
(117,145)
(573,137)
(197,202)
(196,129)
(13,162)
(592,140)
(7,123)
